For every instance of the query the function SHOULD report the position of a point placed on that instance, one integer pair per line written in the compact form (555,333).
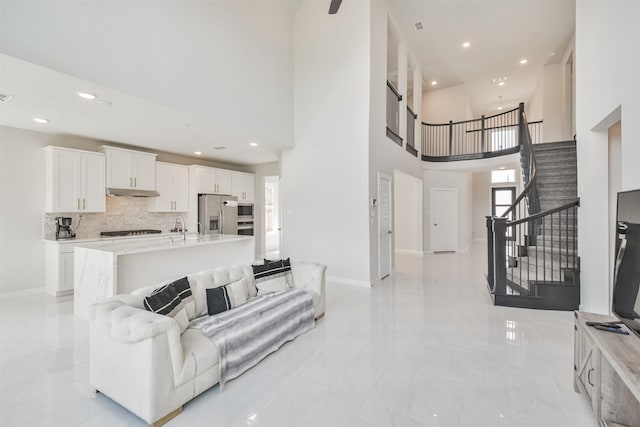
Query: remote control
(611,329)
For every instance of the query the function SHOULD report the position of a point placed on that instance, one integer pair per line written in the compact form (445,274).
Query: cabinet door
(223,181)
(205,180)
(180,182)
(144,171)
(92,177)
(244,187)
(66,272)
(164,202)
(65,171)
(587,360)
(119,169)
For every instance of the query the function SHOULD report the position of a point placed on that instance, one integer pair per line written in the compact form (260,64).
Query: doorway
(444,219)
(384,226)
(407,213)
(272,212)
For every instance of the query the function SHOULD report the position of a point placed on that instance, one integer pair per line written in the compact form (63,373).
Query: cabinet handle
(135,182)
(130,182)
(78,204)
(589,377)
(84,204)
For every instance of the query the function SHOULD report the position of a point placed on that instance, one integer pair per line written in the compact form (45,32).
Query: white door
(384,226)
(444,219)
(272,217)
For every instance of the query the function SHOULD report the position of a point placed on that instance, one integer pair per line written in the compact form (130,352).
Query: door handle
(389,232)
(589,377)
(435,225)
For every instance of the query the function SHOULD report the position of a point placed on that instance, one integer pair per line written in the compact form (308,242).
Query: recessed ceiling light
(419,25)
(500,83)
(433,83)
(500,107)
(198,153)
(253,144)
(466,44)
(87,95)
(39,120)
(552,53)
(523,61)
(502,167)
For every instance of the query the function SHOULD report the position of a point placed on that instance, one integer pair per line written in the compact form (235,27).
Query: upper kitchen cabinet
(211,180)
(172,183)
(131,170)
(243,186)
(75,180)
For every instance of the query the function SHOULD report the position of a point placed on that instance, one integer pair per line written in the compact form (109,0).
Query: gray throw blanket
(247,334)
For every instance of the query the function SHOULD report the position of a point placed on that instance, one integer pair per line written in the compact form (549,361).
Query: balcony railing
(471,139)
(393,113)
(536,131)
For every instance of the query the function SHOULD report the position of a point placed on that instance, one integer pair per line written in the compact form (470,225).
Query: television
(626,273)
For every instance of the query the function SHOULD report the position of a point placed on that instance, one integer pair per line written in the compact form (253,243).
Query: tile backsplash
(123,213)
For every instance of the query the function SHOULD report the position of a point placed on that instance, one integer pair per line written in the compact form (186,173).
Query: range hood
(131,192)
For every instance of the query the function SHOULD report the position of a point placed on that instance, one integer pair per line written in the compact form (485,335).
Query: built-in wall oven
(245,219)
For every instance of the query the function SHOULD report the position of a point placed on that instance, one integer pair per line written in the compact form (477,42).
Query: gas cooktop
(128,233)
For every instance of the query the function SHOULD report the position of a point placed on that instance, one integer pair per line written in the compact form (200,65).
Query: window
(500,176)
(501,199)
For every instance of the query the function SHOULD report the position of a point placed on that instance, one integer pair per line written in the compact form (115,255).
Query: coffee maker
(63,228)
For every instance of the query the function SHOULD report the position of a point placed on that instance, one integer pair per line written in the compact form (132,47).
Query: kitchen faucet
(181,229)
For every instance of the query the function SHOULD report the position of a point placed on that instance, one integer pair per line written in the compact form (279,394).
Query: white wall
(607,90)
(385,156)
(553,103)
(261,171)
(22,193)
(534,107)
(442,105)
(462,181)
(325,177)
(481,190)
(407,218)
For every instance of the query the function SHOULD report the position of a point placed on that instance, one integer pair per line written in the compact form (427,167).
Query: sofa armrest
(129,324)
(311,276)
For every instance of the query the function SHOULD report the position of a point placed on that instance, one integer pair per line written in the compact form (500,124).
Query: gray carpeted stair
(554,248)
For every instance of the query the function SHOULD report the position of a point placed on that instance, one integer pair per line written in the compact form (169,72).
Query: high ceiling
(185,76)
(500,33)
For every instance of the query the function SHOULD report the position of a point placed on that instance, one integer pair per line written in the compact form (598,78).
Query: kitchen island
(101,272)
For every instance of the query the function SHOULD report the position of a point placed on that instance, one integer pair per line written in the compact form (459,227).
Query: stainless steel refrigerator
(217,214)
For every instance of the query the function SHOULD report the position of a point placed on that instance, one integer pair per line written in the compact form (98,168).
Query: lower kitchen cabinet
(58,270)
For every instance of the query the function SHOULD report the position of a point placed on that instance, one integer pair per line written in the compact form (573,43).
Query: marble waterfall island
(101,272)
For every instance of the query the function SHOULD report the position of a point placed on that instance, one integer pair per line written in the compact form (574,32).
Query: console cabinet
(607,371)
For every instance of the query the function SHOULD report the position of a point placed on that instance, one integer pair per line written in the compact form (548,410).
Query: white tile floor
(424,348)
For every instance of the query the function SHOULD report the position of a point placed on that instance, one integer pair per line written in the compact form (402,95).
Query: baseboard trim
(409,252)
(428,252)
(24,293)
(351,282)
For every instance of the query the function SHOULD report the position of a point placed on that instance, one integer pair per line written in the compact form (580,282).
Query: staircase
(543,266)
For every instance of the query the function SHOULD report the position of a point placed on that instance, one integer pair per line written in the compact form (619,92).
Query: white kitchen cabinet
(172,183)
(243,186)
(58,278)
(75,180)
(129,169)
(212,181)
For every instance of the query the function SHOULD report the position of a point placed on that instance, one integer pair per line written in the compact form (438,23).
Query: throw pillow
(270,277)
(286,264)
(226,297)
(173,300)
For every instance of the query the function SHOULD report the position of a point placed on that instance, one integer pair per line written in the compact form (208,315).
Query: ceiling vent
(4,97)
(219,147)
(419,25)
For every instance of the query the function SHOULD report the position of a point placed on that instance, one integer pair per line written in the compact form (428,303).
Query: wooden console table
(607,371)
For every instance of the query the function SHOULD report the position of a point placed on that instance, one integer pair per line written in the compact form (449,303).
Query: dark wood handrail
(470,120)
(495,127)
(536,122)
(394,90)
(532,175)
(539,215)
(415,116)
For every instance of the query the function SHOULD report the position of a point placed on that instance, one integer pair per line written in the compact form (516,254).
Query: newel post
(521,123)
(451,137)
(490,251)
(499,256)
(482,136)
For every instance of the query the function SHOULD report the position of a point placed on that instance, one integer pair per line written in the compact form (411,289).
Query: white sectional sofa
(141,360)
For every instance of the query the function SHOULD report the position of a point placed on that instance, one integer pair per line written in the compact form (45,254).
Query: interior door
(384,226)
(444,219)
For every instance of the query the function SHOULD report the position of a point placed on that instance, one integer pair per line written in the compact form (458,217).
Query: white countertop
(75,241)
(161,243)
